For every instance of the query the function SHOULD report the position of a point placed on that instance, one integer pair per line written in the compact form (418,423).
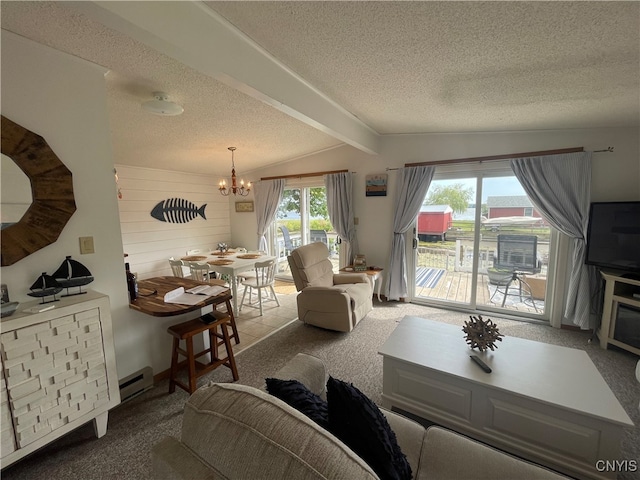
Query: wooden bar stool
(232,322)
(186,331)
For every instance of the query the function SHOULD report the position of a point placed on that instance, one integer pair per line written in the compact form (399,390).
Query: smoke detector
(162,106)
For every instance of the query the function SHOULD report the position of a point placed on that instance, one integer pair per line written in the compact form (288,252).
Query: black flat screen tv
(613,236)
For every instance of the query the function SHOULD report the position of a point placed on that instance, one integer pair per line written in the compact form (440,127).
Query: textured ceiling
(387,67)
(413,67)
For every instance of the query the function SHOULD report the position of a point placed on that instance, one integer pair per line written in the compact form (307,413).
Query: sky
(495,186)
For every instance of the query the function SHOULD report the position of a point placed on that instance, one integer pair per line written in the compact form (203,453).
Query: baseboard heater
(135,384)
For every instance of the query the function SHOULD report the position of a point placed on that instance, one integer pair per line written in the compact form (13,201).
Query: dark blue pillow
(360,424)
(301,398)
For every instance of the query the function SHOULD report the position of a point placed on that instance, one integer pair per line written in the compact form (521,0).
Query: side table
(372,274)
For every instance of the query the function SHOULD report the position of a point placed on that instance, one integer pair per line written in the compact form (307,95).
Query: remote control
(480,363)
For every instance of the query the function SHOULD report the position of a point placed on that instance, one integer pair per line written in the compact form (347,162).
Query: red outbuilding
(434,221)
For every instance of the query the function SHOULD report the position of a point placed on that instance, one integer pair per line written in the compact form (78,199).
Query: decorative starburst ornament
(481,334)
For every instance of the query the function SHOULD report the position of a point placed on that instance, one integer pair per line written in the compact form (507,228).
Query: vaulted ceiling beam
(195,35)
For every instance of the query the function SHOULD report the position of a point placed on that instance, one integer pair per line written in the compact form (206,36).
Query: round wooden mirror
(51,190)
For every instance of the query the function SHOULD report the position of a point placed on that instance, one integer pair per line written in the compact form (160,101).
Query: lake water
(469,214)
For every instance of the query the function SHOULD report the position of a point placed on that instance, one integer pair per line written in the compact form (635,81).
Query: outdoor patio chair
(286,238)
(319,236)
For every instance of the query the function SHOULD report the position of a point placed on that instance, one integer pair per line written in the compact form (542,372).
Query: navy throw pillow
(301,398)
(360,424)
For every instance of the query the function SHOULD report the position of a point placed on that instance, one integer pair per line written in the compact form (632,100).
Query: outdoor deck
(456,287)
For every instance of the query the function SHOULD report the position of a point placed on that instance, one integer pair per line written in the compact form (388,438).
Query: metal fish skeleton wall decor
(177,210)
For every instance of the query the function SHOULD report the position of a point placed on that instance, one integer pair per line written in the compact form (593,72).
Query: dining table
(231,263)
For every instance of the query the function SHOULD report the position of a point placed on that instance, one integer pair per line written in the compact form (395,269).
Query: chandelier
(235,189)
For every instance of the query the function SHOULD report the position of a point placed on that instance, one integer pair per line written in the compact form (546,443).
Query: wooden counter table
(153,303)
(151,292)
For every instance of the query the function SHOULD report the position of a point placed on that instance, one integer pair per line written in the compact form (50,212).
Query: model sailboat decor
(45,286)
(72,274)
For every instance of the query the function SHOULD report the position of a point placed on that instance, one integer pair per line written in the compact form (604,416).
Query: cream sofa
(232,431)
(332,301)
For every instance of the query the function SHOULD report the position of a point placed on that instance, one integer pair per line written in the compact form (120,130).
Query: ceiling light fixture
(235,189)
(162,106)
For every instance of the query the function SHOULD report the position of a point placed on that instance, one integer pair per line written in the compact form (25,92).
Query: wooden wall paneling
(149,242)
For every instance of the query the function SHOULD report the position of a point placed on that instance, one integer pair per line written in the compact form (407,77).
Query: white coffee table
(545,403)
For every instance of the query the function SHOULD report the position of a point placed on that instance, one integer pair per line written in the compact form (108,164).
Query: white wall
(243,224)
(63,99)
(149,242)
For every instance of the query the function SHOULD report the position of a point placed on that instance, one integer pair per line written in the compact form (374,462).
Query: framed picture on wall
(376,185)
(244,207)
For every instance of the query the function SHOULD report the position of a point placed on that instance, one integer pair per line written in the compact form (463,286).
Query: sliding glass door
(303,218)
(444,246)
(481,244)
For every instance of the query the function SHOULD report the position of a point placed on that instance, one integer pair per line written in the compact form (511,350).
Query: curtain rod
(505,157)
(304,175)
(498,157)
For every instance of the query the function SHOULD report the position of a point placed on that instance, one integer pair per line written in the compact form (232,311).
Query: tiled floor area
(252,327)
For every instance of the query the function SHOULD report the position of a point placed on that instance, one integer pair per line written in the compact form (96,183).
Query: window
(303,218)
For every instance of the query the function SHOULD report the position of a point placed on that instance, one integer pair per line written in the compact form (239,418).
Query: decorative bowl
(9,308)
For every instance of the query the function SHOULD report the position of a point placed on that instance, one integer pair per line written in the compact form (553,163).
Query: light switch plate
(86,245)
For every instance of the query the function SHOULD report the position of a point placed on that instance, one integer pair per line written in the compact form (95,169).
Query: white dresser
(58,372)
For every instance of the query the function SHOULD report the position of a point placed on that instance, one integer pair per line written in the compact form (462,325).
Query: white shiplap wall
(149,242)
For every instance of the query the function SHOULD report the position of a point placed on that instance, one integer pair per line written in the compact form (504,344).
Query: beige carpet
(136,425)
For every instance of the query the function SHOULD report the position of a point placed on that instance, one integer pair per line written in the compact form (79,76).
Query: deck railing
(460,259)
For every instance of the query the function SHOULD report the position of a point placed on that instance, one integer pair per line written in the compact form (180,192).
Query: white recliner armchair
(328,300)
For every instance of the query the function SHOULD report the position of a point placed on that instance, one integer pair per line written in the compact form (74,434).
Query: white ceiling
(280,80)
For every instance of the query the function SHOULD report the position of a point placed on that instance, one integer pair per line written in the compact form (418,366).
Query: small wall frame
(244,207)
(376,185)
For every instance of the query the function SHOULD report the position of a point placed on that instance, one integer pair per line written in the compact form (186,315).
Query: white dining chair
(264,279)
(195,251)
(249,274)
(178,268)
(200,271)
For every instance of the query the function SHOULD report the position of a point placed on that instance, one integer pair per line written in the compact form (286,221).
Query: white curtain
(412,186)
(340,207)
(268,195)
(560,188)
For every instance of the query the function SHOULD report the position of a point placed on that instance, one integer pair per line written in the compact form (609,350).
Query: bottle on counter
(132,283)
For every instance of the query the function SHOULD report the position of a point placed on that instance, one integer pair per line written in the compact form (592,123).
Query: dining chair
(200,271)
(195,251)
(177,267)
(264,279)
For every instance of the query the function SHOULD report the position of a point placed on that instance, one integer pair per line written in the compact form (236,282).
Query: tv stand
(631,276)
(618,290)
